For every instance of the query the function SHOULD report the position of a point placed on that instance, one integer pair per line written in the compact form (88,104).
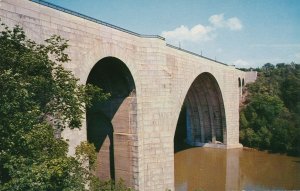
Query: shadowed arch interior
(111,124)
(202,117)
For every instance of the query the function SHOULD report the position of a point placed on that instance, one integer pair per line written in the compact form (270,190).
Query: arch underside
(111,125)
(202,118)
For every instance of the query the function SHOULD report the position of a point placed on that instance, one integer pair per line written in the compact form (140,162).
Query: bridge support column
(124,123)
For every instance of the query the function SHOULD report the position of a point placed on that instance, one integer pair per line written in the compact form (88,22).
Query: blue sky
(247,33)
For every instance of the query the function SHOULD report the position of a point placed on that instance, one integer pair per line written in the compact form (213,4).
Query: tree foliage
(39,98)
(270,119)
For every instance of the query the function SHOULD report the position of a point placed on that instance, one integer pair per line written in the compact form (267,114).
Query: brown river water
(237,169)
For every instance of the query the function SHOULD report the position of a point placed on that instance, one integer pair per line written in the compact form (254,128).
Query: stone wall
(162,77)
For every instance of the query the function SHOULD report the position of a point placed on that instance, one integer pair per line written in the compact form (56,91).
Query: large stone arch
(100,50)
(111,125)
(202,118)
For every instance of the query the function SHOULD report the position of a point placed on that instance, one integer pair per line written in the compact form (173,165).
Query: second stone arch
(202,119)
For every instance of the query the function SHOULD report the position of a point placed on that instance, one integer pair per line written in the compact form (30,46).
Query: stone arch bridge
(156,88)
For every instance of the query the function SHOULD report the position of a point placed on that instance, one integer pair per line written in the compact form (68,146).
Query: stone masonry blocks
(162,78)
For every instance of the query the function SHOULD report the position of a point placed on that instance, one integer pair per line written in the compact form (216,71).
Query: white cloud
(195,34)
(297,55)
(217,20)
(232,23)
(241,63)
(199,32)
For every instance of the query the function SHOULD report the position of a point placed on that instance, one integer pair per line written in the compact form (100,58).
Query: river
(236,169)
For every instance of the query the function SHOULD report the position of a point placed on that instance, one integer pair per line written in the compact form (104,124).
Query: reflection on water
(235,169)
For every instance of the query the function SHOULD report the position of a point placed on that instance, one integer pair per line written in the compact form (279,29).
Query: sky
(244,33)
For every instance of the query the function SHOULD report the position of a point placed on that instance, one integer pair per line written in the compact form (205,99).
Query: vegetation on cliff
(270,118)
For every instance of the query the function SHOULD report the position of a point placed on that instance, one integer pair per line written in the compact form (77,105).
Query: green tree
(270,118)
(38,99)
